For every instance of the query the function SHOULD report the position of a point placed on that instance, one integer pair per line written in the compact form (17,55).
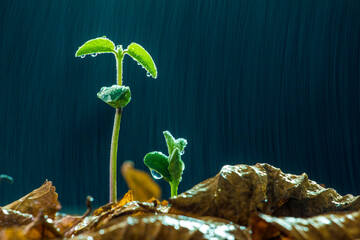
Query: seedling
(168,167)
(117,96)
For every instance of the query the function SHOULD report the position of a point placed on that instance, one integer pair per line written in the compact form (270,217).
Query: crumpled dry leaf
(39,228)
(42,199)
(111,207)
(141,183)
(103,214)
(64,222)
(12,218)
(238,191)
(126,206)
(343,226)
(152,226)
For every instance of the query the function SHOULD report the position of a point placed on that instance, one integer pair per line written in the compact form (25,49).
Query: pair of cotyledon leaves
(169,167)
(117,96)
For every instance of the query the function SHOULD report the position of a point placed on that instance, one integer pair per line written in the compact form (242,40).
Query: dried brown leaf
(64,222)
(238,191)
(158,227)
(13,233)
(111,207)
(42,199)
(343,226)
(141,183)
(126,206)
(39,228)
(12,218)
(134,208)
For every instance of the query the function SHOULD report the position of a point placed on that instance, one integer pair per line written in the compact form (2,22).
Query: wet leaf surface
(139,54)
(239,191)
(12,218)
(39,228)
(151,226)
(218,208)
(64,222)
(116,96)
(330,226)
(43,199)
(126,206)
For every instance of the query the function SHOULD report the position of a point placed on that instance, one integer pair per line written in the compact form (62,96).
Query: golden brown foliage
(239,191)
(141,183)
(241,202)
(43,199)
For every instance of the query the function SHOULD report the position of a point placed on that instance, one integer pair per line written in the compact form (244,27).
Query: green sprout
(168,167)
(117,96)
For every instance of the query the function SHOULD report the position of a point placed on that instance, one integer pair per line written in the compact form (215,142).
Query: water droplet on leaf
(118,47)
(94,54)
(148,74)
(155,174)
(82,56)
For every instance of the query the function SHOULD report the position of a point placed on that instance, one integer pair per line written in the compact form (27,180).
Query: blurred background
(244,81)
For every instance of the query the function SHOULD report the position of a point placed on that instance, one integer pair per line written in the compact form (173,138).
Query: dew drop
(94,54)
(138,63)
(155,174)
(82,56)
(148,74)
(118,47)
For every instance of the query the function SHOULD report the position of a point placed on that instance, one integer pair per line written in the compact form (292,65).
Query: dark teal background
(245,81)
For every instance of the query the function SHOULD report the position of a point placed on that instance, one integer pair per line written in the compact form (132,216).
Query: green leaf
(180,143)
(176,165)
(95,46)
(159,162)
(171,143)
(116,96)
(139,54)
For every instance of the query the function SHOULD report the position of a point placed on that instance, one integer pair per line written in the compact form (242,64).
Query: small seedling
(117,96)
(168,167)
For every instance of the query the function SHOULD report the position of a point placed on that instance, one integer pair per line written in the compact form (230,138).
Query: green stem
(174,188)
(113,154)
(119,63)
(115,134)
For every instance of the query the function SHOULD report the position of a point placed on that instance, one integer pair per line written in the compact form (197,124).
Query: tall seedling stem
(117,96)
